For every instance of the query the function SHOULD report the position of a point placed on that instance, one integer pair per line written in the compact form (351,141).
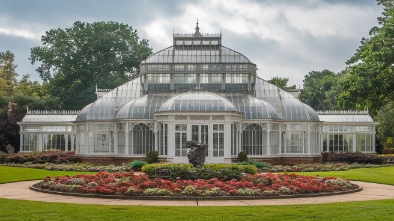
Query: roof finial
(197,33)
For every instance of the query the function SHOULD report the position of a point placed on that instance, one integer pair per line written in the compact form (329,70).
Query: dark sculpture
(196,154)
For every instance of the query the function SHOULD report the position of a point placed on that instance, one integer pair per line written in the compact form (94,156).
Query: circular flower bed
(255,186)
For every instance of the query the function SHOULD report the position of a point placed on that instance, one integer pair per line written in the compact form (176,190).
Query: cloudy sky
(285,38)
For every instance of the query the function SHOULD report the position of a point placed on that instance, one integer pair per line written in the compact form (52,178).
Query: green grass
(15,174)
(29,210)
(383,175)
(26,210)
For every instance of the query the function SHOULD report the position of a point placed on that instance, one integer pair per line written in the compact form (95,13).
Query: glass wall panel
(143,139)
(163,137)
(218,140)
(252,139)
(30,142)
(180,139)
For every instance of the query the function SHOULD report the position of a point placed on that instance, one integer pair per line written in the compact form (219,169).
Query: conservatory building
(197,89)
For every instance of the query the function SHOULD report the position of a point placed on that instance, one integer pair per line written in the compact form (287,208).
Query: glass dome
(198,101)
(288,107)
(105,107)
(144,107)
(197,54)
(251,107)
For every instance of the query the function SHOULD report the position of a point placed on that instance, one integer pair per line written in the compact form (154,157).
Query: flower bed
(258,185)
(86,167)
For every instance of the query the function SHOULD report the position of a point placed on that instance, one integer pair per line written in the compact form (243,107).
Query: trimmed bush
(259,165)
(207,171)
(56,157)
(152,156)
(137,164)
(242,156)
(348,157)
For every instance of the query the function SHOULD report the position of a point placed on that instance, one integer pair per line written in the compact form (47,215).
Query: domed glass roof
(105,107)
(251,107)
(144,107)
(198,101)
(287,106)
(197,54)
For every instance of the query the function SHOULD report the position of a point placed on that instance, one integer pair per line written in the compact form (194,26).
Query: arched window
(252,139)
(143,139)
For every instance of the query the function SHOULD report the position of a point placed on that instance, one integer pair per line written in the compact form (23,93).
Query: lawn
(15,174)
(383,175)
(28,210)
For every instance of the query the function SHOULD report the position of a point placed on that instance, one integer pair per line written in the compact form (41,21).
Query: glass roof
(54,118)
(144,107)
(197,54)
(355,118)
(198,101)
(105,107)
(288,107)
(251,107)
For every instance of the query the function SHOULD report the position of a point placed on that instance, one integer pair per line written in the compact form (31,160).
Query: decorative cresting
(198,101)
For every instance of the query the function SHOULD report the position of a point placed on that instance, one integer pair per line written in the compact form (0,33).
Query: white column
(227,139)
(268,132)
(308,138)
(21,147)
(126,135)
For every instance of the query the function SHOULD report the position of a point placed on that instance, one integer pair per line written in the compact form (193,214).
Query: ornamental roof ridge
(342,112)
(52,112)
(198,34)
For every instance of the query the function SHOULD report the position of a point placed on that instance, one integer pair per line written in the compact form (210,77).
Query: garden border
(197,198)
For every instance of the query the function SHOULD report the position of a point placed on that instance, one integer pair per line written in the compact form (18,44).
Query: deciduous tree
(75,60)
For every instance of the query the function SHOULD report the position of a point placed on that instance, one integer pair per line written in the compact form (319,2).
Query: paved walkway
(371,191)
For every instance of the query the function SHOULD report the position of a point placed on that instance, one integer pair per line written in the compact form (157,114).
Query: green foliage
(348,157)
(317,89)
(75,60)
(259,165)
(371,84)
(242,156)
(385,129)
(57,157)
(152,156)
(138,164)
(207,171)
(282,83)
(7,73)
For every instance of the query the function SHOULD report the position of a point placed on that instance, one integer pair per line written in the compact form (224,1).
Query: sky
(284,38)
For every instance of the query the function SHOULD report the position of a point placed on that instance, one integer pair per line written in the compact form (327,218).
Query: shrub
(242,156)
(137,164)
(207,171)
(259,165)
(348,157)
(57,157)
(152,156)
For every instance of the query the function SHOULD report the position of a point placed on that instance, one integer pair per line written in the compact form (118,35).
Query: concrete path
(371,191)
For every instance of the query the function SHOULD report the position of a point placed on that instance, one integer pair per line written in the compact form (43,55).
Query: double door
(212,135)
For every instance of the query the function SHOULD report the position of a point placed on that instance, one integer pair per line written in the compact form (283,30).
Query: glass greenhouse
(199,90)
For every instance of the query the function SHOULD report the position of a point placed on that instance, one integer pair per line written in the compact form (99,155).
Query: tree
(75,60)
(385,130)
(371,82)
(30,88)
(282,83)
(7,73)
(317,85)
